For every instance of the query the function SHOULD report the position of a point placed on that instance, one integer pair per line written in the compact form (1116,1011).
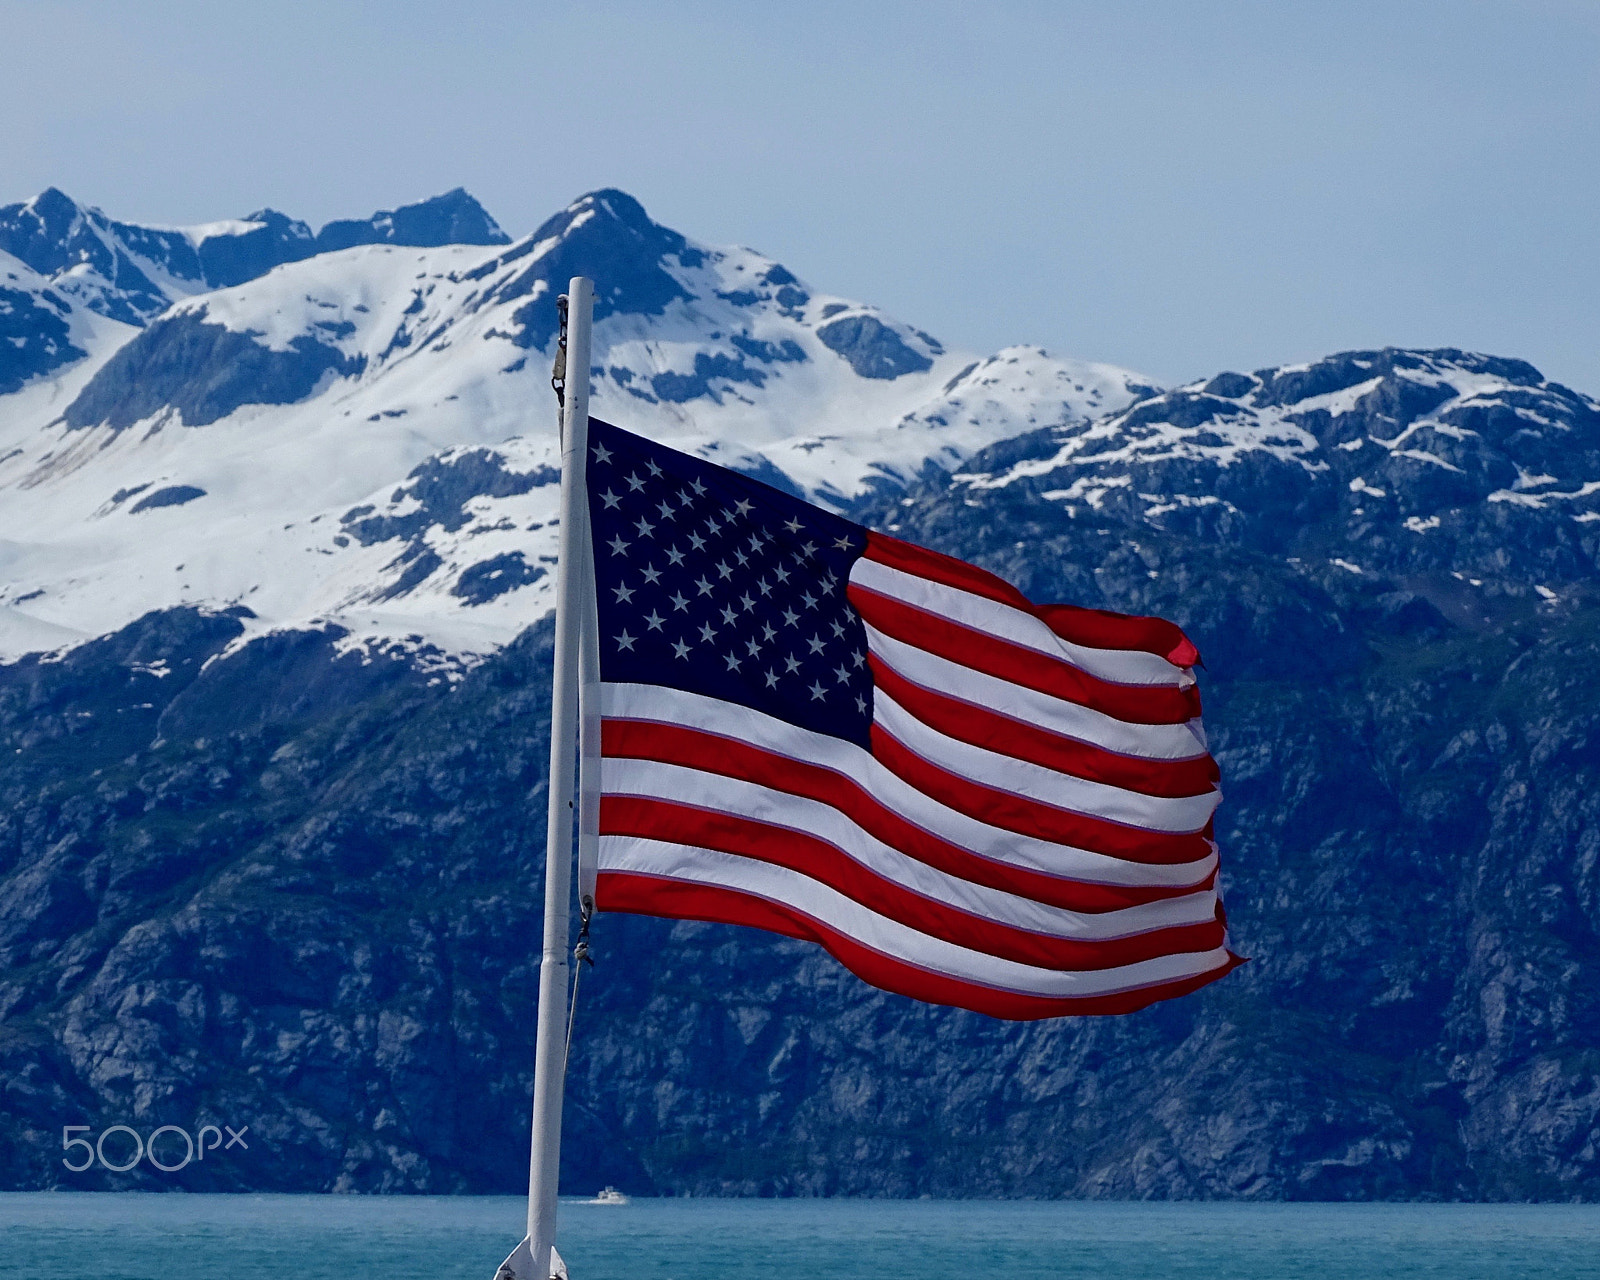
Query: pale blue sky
(1175,187)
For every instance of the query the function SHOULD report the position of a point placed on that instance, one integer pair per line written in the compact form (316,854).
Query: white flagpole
(574,611)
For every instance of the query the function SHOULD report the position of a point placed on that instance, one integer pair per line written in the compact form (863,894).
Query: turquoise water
(53,1236)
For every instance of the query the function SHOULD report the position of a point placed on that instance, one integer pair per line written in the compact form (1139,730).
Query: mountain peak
(52,203)
(616,203)
(38,231)
(452,218)
(116,266)
(1291,384)
(607,236)
(281,222)
(54,235)
(609,222)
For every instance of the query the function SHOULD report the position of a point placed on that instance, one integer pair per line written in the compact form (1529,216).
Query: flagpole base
(519,1265)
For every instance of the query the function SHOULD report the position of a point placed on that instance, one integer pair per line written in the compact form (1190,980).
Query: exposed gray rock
(437,491)
(437,495)
(873,349)
(34,336)
(675,388)
(204,371)
(54,234)
(482,582)
(174,495)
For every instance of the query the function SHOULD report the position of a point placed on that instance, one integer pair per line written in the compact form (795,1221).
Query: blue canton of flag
(715,584)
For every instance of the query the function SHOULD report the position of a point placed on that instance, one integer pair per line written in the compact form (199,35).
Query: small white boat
(609,1196)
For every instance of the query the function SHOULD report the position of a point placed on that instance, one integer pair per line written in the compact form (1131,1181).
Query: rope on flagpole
(580,957)
(558,374)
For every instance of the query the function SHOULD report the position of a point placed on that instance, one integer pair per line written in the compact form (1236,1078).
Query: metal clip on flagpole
(535,1258)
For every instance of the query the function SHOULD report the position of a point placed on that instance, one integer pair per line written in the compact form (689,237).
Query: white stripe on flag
(680,784)
(1039,784)
(1084,724)
(1120,666)
(663,705)
(694,865)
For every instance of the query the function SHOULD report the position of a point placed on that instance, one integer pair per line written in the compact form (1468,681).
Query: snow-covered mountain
(1392,462)
(132,272)
(366,435)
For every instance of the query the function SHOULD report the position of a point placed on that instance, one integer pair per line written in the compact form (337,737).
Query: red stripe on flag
(824,862)
(995,731)
(1093,628)
(676,899)
(716,754)
(1130,703)
(1031,817)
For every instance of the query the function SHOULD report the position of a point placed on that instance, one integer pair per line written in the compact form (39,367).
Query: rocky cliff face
(294,883)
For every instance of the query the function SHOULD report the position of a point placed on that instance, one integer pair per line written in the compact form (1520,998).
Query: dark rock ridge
(35,335)
(436,496)
(202,371)
(173,495)
(677,388)
(484,581)
(297,885)
(54,234)
(272,238)
(441,488)
(873,349)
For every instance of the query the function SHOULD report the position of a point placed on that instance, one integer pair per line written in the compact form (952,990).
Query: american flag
(812,728)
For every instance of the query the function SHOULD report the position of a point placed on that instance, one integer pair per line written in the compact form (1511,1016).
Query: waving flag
(812,728)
